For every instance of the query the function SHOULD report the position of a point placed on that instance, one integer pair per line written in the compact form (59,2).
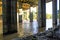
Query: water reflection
(35,27)
(30,27)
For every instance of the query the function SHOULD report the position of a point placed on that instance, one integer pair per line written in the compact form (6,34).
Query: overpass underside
(9,13)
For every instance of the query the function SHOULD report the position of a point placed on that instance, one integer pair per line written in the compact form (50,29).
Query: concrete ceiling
(46,1)
(32,1)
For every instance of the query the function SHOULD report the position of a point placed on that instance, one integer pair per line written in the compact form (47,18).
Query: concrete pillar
(42,13)
(9,16)
(20,5)
(20,16)
(59,11)
(14,15)
(54,5)
(6,16)
(30,15)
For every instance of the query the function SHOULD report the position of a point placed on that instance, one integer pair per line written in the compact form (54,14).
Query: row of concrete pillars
(10,15)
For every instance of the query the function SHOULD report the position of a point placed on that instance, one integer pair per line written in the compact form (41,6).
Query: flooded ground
(25,28)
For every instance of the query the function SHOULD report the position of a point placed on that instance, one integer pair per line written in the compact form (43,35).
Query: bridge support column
(9,16)
(54,5)
(59,12)
(42,14)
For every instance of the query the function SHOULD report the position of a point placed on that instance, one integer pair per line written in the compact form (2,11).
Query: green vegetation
(59,15)
(48,16)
